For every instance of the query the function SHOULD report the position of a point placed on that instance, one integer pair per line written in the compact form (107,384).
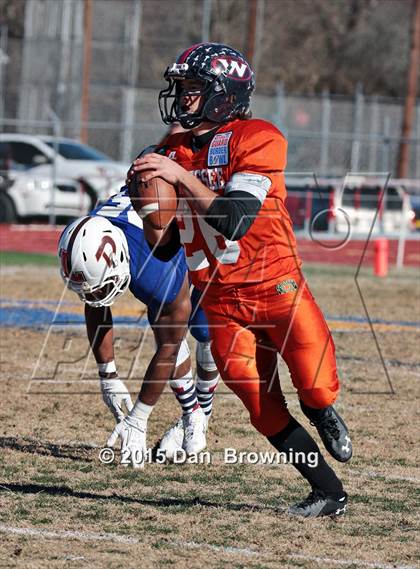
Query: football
(155,201)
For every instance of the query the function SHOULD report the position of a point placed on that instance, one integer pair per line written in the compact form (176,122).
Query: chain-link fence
(60,71)
(324,133)
(124,61)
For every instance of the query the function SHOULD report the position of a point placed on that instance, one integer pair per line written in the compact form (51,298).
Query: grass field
(61,506)
(12,258)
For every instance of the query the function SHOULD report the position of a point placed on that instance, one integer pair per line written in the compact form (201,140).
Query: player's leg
(188,393)
(327,494)
(305,343)
(248,366)
(206,381)
(207,375)
(182,382)
(167,334)
(239,354)
(184,390)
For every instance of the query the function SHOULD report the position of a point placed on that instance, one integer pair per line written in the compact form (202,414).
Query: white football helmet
(94,258)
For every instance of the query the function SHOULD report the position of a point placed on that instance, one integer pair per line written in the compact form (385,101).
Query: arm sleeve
(232,216)
(258,158)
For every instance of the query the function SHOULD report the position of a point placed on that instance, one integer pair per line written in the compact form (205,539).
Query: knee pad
(204,356)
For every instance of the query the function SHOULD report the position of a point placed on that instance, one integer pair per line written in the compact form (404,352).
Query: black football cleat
(317,504)
(334,434)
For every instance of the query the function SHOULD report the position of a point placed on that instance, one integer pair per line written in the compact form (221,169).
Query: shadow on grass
(80,452)
(158,502)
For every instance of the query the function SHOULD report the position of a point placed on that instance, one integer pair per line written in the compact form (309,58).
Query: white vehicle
(363,200)
(324,204)
(25,195)
(101,176)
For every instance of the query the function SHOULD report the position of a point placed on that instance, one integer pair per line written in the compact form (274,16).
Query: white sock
(141,411)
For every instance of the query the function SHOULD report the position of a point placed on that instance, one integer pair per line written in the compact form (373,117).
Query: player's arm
(199,196)
(99,328)
(169,329)
(258,158)
(232,214)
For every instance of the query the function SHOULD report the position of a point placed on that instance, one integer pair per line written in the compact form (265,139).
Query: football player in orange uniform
(241,252)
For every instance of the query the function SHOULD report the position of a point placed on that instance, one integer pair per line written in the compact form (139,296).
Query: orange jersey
(268,249)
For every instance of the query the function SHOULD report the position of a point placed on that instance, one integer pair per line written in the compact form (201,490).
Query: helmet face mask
(95,262)
(106,294)
(174,109)
(228,84)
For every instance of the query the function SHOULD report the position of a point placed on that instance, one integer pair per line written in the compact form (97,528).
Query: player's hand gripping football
(157,166)
(115,395)
(133,441)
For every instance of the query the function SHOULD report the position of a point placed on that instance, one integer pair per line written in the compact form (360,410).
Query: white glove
(133,441)
(114,394)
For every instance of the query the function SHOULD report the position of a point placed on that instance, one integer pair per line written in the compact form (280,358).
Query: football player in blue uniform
(104,254)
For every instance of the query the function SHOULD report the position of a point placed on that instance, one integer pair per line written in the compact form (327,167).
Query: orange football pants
(250,324)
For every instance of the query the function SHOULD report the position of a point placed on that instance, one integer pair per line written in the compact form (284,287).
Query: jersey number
(121,203)
(225,251)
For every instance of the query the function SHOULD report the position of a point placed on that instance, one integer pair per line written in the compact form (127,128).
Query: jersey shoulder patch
(218,154)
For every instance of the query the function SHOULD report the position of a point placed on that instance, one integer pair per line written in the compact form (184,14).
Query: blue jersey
(153,281)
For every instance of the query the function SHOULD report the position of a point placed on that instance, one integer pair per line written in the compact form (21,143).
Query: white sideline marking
(219,548)
(372,474)
(356,562)
(59,534)
(89,536)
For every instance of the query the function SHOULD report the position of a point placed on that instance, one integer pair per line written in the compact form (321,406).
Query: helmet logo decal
(235,68)
(67,268)
(101,253)
(74,276)
(226,84)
